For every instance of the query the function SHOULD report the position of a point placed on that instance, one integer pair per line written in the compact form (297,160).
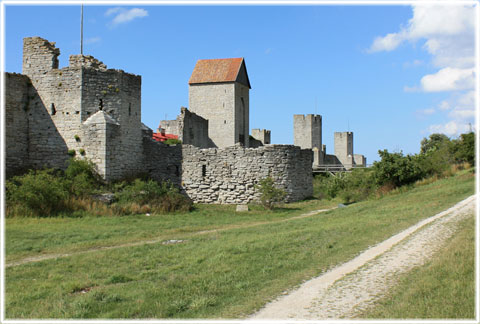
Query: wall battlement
(93,112)
(87,61)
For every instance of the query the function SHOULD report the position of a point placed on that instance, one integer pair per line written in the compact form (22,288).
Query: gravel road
(348,289)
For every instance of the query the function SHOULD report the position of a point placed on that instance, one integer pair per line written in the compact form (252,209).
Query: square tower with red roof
(219,92)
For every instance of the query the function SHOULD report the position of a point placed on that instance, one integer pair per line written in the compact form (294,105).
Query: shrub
(82,177)
(269,195)
(37,193)
(148,195)
(397,169)
(358,185)
(173,141)
(465,148)
(327,185)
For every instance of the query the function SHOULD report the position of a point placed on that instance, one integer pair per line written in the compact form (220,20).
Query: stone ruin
(92,112)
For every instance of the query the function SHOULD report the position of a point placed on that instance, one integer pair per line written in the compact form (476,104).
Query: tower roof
(219,71)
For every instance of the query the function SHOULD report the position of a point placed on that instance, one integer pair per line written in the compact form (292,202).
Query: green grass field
(444,288)
(226,274)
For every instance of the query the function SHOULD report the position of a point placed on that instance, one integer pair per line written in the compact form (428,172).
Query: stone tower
(343,145)
(219,92)
(83,109)
(262,135)
(307,131)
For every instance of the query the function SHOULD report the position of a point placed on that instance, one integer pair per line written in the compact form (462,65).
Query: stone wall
(118,94)
(190,129)
(215,102)
(171,127)
(161,161)
(360,160)
(226,107)
(343,147)
(307,131)
(263,135)
(229,175)
(16,122)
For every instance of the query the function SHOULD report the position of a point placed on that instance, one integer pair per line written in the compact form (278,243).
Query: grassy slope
(33,236)
(228,274)
(443,288)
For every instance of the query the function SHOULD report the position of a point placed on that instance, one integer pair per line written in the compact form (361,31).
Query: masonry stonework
(307,131)
(229,175)
(95,113)
(190,128)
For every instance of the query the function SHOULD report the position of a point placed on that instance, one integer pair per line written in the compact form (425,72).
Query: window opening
(100,105)
(204,170)
(129,109)
(53,111)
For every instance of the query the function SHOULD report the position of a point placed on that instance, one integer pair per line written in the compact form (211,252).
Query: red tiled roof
(217,70)
(163,137)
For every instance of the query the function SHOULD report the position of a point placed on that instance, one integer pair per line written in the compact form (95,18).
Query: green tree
(397,169)
(434,142)
(465,148)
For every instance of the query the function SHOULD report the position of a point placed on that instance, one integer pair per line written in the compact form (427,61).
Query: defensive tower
(219,92)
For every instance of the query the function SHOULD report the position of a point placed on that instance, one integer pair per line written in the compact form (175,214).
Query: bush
(269,195)
(327,185)
(397,169)
(172,141)
(82,177)
(148,195)
(358,185)
(464,148)
(37,193)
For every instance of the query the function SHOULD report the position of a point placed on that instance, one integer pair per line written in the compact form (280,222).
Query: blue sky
(391,74)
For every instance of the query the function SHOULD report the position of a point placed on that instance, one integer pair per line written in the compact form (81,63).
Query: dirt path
(349,288)
(163,240)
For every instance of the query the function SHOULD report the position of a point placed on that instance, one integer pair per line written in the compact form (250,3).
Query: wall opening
(129,109)
(53,111)
(100,104)
(204,170)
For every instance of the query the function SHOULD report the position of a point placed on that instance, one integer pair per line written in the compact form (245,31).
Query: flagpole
(81,31)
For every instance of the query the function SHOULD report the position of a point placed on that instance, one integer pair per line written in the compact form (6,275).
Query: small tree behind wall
(269,195)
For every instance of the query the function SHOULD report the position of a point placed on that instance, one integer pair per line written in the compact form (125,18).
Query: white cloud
(122,15)
(387,43)
(444,105)
(411,89)
(448,32)
(93,40)
(449,79)
(112,11)
(412,64)
(450,129)
(428,111)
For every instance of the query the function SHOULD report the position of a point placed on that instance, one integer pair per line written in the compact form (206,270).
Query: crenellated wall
(96,112)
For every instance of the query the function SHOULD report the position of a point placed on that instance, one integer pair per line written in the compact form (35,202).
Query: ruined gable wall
(194,129)
(16,122)
(229,175)
(216,103)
